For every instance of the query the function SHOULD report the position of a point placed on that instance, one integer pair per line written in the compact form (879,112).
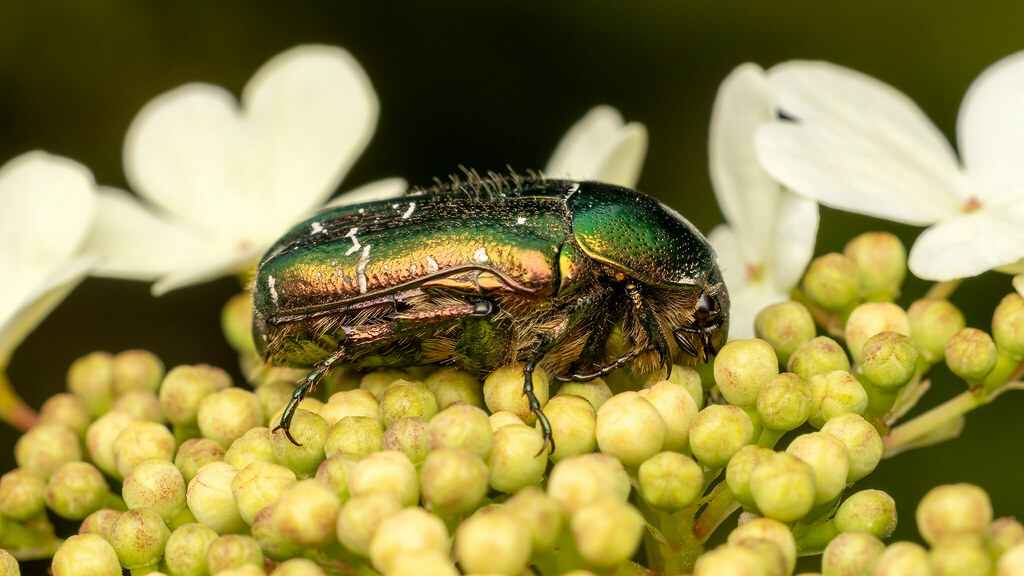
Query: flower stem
(13,409)
(932,420)
(942,290)
(832,324)
(721,506)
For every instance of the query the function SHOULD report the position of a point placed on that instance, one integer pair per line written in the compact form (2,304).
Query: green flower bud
(275,544)
(1008,326)
(784,402)
(386,472)
(771,560)
(8,564)
(307,514)
(210,499)
(827,456)
(346,403)
(881,262)
(453,481)
(91,379)
(138,537)
(141,441)
(607,531)
(22,494)
(971,354)
(1003,534)
(670,481)
(872,318)
(492,544)
(66,409)
(596,391)
(245,570)
(816,356)
(233,551)
(76,490)
(453,386)
(771,531)
(86,554)
(863,444)
(236,323)
(678,410)
(871,511)
(407,532)
(960,557)
(952,511)
(142,404)
(580,480)
(785,326)
(354,435)
(540,514)
(851,553)
(463,427)
(742,367)
(377,381)
(503,418)
(630,428)
(100,522)
(741,467)
(99,439)
(184,387)
(195,453)
(888,360)
(406,399)
(429,562)
(516,460)
(273,397)
(136,370)
(729,559)
(157,485)
(258,485)
(503,390)
(834,394)
(45,448)
(227,414)
(932,324)
(409,436)
(360,517)
(298,567)
(334,471)
(903,559)
(831,281)
(573,426)
(783,487)
(254,445)
(1012,562)
(718,432)
(311,431)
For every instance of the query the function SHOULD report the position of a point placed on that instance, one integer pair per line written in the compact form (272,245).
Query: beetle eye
(706,308)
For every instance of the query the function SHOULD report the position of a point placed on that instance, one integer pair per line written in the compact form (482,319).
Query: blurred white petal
(205,271)
(752,286)
(746,194)
(990,129)
(601,146)
(797,231)
(970,244)
(1018,283)
(157,245)
(380,190)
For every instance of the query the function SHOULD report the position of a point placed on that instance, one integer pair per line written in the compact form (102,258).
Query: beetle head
(706,333)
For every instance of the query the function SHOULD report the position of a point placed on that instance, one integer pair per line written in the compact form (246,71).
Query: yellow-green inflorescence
(436,471)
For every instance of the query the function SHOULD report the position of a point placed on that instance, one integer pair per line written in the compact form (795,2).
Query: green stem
(13,409)
(814,540)
(28,542)
(933,420)
(942,290)
(832,324)
(721,506)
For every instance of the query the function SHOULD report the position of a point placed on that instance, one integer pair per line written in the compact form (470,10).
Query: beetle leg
(655,338)
(531,398)
(604,370)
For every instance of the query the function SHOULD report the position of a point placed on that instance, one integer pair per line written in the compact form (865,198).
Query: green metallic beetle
(488,273)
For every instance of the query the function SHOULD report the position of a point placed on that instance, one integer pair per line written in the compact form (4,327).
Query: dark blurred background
(485,85)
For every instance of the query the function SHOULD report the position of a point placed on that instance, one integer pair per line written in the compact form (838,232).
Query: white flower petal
(242,173)
(969,245)
(46,206)
(207,270)
(138,244)
(746,296)
(380,190)
(797,230)
(991,130)
(601,147)
(748,197)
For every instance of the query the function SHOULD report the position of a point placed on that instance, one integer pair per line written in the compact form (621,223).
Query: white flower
(860,145)
(47,205)
(224,179)
(769,236)
(601,146)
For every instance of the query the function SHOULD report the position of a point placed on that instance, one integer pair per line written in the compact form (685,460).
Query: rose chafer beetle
(487,273)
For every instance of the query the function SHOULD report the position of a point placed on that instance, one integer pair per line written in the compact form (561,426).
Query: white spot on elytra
(355,241)
(574,187)
(480,255)
(412,269)
(273,291)
(361,269)
(431,265)
(316,228)
(395,206)
(521,220)
(411,209)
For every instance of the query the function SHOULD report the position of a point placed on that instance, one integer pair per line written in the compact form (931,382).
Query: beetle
(486,273)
